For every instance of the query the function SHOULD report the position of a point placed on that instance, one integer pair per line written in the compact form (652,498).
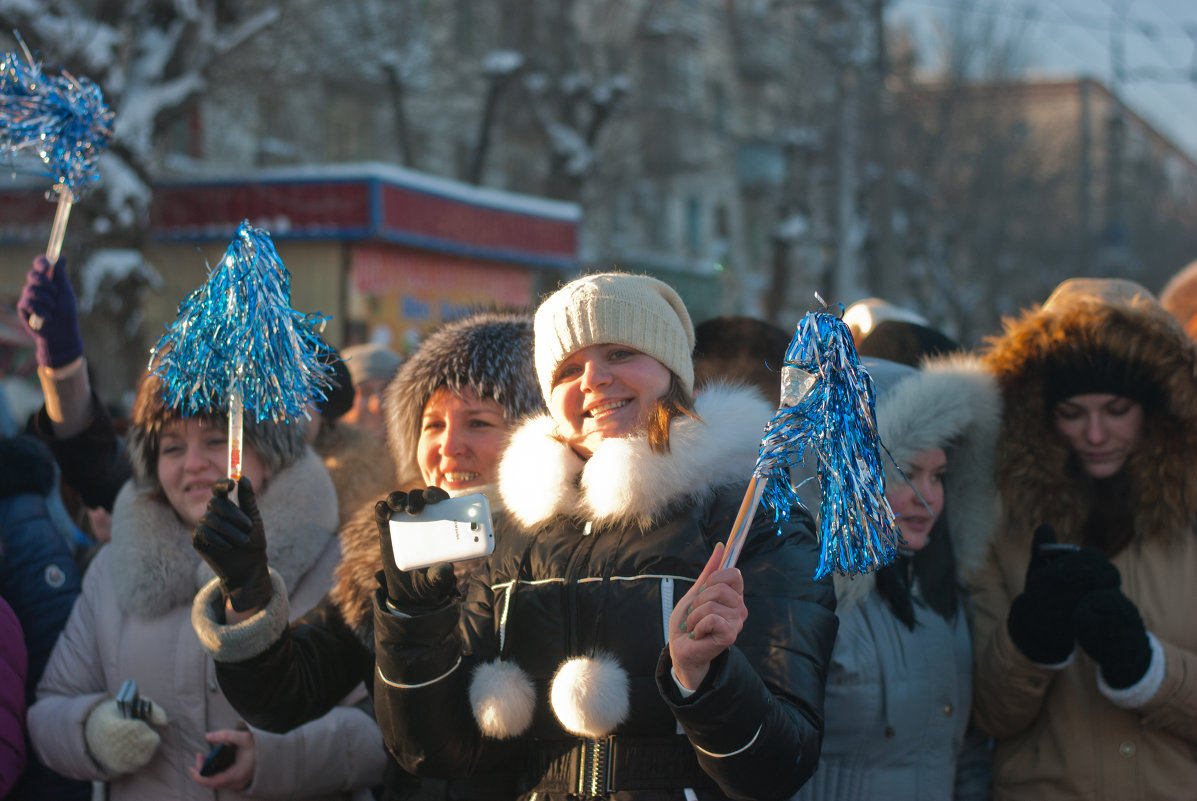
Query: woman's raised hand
(232,541)
(707,620)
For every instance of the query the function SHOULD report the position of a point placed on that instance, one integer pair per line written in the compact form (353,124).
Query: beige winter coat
(133,620)
(1058,735)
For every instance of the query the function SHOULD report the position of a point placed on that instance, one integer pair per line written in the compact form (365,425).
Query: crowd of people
(171,633)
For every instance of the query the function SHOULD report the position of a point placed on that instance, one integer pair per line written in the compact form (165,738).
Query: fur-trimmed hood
(155,568)
(953,403)
(1036,477)
(624,482)
(354,580)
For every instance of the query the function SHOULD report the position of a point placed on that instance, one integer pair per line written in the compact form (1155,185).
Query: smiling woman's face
(916,516)
(461,439)
(192,455)
(605,391)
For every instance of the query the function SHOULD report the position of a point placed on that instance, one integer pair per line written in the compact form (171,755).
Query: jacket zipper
(585,544)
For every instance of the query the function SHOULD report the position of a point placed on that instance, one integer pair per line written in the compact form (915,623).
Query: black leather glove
(1110,629)
(422,589)
(1041,619)
(233,542)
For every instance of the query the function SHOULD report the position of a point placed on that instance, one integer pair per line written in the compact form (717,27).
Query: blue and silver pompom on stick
(827,406)
(60,120)
(237,344)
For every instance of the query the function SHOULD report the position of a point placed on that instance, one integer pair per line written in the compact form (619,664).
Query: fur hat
(633,310)
(278,445)
(488,352)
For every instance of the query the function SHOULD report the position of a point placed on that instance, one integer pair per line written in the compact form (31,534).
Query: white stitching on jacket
(738,750)
(444,675)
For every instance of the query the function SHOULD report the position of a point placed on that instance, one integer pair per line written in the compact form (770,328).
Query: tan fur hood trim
(624,482)
(1037,483)
(354,579)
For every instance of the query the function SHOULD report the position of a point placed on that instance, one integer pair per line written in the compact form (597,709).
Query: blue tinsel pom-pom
(58,119)
(238,331)
(828,406)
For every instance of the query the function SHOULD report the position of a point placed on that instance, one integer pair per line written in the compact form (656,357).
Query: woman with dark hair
(133,621)
(449,410)
(900,687)
(601,650)
(1097,549)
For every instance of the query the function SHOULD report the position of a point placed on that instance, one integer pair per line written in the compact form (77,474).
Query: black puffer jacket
(584,581)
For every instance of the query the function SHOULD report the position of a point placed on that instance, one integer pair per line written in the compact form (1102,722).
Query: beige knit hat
(620,308)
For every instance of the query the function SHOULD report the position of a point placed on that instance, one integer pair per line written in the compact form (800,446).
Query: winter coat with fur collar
(899,697)
(133,621)
(564,630)
(1059,734)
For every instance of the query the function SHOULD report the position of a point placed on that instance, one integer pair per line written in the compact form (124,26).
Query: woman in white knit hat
(601,651)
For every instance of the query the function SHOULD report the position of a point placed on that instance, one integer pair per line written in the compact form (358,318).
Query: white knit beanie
(617,308)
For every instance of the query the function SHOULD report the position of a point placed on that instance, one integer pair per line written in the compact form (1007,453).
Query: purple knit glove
(48,295)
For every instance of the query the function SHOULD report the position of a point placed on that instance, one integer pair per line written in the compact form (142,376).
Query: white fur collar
(155,568)
(624,481)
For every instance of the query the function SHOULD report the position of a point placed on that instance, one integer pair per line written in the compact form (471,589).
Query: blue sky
(1074,37)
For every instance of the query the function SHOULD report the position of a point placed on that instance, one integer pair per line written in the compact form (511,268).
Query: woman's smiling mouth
(603,408)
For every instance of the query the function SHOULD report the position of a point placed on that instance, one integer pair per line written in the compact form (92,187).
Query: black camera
(130,703)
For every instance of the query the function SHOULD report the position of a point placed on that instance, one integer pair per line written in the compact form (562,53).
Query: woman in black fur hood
(448,411)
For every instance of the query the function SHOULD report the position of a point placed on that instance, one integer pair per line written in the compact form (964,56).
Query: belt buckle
(594,768)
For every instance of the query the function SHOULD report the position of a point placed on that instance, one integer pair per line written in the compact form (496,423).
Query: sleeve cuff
(67,394)
(239,641)
(1145,688)
(685,693)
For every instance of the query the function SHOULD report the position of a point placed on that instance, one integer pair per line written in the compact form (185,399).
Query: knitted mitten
(118,744)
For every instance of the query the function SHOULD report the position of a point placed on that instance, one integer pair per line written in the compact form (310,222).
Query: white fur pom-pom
(503,699)
(590,695)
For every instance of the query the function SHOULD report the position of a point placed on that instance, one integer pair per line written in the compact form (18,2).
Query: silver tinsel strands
(828,407)
(237,336)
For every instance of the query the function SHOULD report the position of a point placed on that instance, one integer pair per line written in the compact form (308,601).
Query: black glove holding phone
(421,589)
(232,541)
(1040,621)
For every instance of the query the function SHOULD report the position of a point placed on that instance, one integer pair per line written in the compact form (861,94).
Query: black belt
(595,768)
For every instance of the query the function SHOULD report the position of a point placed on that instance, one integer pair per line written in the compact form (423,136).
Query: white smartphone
(450,531)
